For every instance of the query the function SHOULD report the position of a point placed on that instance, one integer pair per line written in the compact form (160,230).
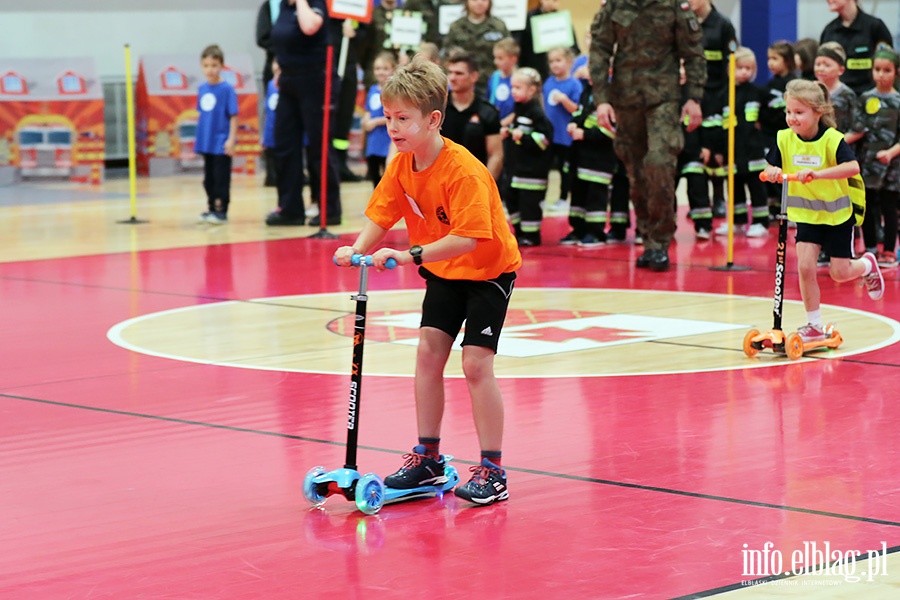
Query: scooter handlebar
(357,259)
(787,176)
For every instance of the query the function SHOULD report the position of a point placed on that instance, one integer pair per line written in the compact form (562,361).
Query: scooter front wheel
(369,493)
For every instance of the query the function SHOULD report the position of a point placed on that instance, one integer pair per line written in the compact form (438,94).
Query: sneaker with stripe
(874,281)
(418,469)
(487,485)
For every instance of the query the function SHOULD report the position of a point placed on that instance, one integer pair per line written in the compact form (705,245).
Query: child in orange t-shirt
(468,258)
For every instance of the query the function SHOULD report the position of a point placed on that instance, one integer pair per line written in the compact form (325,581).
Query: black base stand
(132,221)
(323,234)
(730,267)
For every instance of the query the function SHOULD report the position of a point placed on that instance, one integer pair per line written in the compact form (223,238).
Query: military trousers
(648,141)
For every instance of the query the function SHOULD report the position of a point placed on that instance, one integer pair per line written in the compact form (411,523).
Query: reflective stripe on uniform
(755,166)
(594,176)
(527,183)
(693,168)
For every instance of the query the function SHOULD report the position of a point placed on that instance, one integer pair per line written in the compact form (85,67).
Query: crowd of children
(549,124)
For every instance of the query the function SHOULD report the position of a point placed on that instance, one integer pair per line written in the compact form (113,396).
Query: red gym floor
(127,474)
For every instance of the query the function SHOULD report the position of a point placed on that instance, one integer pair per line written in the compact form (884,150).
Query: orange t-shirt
(454,195)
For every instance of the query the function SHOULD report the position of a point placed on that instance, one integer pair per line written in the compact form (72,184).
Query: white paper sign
(552,30)
(447,14)
(360,9)
(406,29)
(513,13)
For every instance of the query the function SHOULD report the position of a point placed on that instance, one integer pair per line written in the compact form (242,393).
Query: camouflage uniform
(878,116)
(645,39)
(477,39)
(844,102)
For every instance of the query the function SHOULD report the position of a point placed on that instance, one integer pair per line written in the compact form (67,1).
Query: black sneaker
(823,260)
(571,239)
(418,470)
(488,484)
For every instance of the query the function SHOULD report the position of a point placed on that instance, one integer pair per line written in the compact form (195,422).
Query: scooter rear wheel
(309,487)
(749,348)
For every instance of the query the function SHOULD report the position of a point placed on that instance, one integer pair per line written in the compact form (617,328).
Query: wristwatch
(416,253)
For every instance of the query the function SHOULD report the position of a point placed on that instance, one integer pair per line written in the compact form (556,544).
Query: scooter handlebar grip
(790,176)
(357,259)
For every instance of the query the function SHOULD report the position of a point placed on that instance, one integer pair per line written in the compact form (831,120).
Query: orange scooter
(792,345)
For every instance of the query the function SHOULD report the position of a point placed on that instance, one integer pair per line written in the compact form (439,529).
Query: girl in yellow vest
(824,201)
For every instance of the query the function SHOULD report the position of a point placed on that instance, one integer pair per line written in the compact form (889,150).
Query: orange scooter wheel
(749,349)
(793,346)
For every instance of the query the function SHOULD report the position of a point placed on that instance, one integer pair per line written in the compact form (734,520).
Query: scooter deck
(790,345)
(394,495)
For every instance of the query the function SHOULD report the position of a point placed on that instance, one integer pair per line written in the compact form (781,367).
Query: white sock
(815,317)
(868,268)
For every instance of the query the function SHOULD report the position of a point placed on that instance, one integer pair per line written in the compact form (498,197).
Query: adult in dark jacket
(268,12)
(300,40)
(859,34)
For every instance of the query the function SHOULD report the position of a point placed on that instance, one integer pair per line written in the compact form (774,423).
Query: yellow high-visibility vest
(821,201)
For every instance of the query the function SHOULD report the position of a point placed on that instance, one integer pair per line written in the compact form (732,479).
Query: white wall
(170,26)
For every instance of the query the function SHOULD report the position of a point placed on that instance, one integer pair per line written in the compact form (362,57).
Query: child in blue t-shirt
(378,142)
(561,95)
(216,133)
(506,58)
(268,141)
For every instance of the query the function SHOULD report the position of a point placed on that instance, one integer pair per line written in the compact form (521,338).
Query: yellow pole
(132,163)
(732,122)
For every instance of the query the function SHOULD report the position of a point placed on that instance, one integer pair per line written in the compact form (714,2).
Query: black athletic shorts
(481,304)
(836,240)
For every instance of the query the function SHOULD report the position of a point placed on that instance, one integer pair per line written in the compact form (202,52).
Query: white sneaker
(557,206)
(874,281)
(723,229)
(757,230)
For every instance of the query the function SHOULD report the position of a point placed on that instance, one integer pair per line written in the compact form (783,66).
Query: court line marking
(115,335)
(539,472)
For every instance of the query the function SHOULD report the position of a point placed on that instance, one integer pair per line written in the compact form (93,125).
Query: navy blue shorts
(480,304)
(836,240)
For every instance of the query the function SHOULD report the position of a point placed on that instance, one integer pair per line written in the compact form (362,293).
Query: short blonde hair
(508,45)
(746,55)
(421,84)
(564,50)
(815,95)
(430,50)
(533,78)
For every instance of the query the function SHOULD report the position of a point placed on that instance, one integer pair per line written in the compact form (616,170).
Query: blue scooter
(367,491)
